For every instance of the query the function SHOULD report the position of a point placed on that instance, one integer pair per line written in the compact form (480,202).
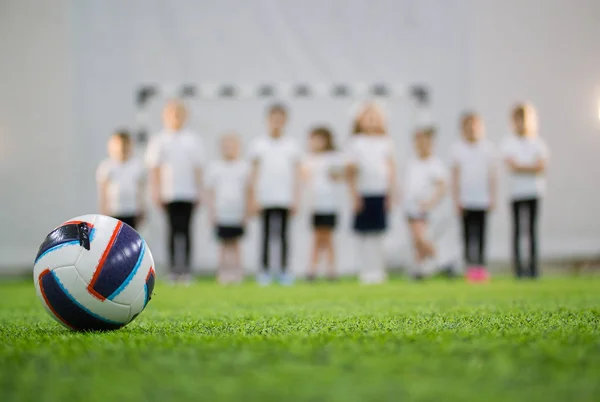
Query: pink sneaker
(484,275)
(472,274)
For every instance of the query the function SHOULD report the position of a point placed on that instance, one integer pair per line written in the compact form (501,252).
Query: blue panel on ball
(149,285)
(68,310)
(121,261)
(68,234)
(131,275)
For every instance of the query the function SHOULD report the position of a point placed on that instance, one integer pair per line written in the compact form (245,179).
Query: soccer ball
(94,272)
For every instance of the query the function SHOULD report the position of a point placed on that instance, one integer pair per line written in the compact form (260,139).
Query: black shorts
(131,220)
(373,217)
(229,233)
(324,221)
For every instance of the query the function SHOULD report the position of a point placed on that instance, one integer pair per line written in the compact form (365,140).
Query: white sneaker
(286,279)
(264,279)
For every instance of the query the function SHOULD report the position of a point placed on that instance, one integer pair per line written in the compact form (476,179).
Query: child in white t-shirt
(175,157)
(473,191)
(121,182)
(526,156)
(323,170)
(424,188)
(228,184)
(275,189)
(372,180)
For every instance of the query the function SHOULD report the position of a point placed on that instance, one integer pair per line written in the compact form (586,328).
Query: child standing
(121,182)
(372,182)
(424,189)
(473,191)
(275,181)
(323,170)
(526,156)
(175,157)
(228,186)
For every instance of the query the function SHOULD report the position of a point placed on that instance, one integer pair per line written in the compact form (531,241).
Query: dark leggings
(131,220)
(473,221)
(180,218)
(525,211)
(275,223)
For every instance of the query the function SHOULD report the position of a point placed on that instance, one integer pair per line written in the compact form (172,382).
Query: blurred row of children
(269,180)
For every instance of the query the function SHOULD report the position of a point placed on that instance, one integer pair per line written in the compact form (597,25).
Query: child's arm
(140,198)
(536,168)
(155,184)
(455,187)
(253,206)
(103,196)
(352,176)
(438,195)
(297,187)
(198,175)
(102,179)
(393,183)
(493,186)
(211,205)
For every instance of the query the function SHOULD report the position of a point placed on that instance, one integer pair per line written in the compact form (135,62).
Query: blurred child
(424,189)
(275,181)
(323,170)
(526,156)
(121,182)
(175,157)
(473,191)
(372,182)
(228,186)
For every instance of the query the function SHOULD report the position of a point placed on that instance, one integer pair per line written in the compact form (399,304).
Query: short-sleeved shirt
(475,161)
(372,154)
(421,177)
(123,180)
(278,159)
(325,189)
(178,155)
(229,180)
(525,150)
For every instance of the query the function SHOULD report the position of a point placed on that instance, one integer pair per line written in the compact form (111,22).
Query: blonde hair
(369,108)
(526,113)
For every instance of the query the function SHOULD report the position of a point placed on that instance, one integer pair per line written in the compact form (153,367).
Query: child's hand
(391,200)
(294,209)
(492,206)
(425,206)
(357,204)
(459,209)
(156,198)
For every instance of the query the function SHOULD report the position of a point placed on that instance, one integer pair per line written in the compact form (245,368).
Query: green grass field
(438,341)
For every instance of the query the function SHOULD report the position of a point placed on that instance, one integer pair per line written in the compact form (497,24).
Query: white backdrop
(70,68)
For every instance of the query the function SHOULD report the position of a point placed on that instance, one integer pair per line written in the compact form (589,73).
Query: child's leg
(373,269)
(237,274)
(481,224)
(222,269)
(266,232)
(423,248)
(283,235)
(329,249)
(467,237)
(316,251)
(533,213)
(516,212)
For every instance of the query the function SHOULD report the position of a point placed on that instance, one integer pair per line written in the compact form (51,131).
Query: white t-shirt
(123,184)
(525,150)
(325,190)
(278,159)
(178,155)
(421,176)
(229,180)
(475,161)
(371,154)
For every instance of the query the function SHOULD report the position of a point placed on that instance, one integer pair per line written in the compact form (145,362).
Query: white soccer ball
(94,272)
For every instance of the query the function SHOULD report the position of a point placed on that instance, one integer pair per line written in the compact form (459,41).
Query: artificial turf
(438,341)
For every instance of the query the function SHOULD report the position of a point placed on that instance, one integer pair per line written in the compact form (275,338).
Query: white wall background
(69,69)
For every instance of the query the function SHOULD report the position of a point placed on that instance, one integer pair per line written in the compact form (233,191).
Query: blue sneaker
(286,279)
(264,279)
